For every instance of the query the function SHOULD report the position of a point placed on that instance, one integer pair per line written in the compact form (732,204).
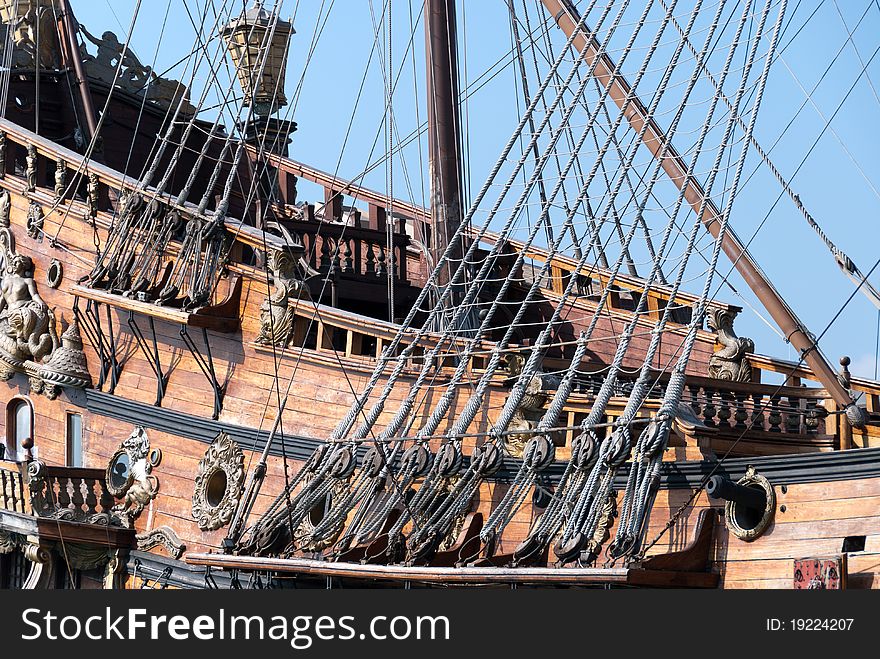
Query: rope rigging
(360,499)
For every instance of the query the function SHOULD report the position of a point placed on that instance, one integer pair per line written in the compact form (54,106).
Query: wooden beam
(459,575)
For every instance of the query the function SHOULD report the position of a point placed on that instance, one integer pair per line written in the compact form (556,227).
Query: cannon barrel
(724,488)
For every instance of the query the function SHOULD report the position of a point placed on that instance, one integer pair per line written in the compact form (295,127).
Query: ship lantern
(256,36)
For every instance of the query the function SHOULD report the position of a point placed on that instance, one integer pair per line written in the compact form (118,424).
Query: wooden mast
(67,28)
(568,19)
(444,130)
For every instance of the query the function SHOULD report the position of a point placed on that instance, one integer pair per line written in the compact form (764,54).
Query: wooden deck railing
(74,494)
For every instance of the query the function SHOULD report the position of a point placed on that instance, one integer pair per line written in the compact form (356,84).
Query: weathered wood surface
(324,382)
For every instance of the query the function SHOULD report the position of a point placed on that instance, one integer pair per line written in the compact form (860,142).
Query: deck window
(19,426)
(74,453)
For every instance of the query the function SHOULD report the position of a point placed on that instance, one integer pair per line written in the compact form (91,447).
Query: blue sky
(839,183)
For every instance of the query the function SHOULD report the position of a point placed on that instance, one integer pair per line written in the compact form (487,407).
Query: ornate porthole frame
(223,459)
(140,487)
(54,274)
(751,479)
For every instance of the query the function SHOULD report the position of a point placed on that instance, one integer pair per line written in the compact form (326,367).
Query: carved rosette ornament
(218,484)
(129,476)
(304,539)
(730,362)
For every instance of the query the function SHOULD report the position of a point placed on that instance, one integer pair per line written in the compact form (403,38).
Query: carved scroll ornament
(163,536)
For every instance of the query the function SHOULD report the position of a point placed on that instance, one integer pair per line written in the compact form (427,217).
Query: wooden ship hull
(188,393)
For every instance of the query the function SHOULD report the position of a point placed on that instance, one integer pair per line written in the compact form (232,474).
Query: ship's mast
(444,131)
(67,28)
(568,19)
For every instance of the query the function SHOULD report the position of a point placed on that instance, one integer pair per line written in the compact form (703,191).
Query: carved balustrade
(13,489)
(352,252)
(75,494)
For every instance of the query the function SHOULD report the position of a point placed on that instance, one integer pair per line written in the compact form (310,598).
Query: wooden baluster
(793,417)
(16,493)
(709,408)
(371,260)
(77,499)
(740,416)
(106,499)
(811,419)
(335,261)
(4,484)
(758,421)
(381,268)
(63,494)
(724,409)
(347,261)
(695,398)
(357,258)
(775,418)
(325,254)
(91,500)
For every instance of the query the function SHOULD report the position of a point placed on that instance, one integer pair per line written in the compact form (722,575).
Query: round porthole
(748,522)
(55,274)
(119,475)
(218,484)
(215,488)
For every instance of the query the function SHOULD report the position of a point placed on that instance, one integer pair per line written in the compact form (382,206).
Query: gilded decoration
(25,24)
(129,476)
(218,484)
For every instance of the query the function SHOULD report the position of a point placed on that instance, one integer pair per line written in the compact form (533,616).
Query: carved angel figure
(25,327)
